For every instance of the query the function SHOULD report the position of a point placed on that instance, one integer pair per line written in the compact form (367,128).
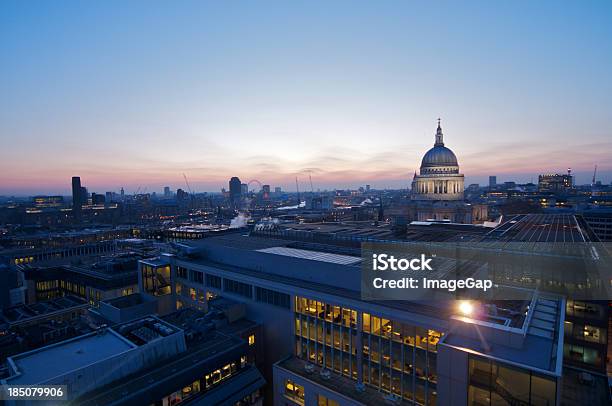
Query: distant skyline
(134,94)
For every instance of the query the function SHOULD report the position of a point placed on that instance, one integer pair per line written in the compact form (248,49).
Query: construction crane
(594,174)
(187,183)
(310,177)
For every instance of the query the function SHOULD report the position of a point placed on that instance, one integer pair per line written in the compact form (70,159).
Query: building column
(359,348)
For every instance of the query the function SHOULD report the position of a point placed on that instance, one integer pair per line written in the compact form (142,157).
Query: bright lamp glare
(466,308)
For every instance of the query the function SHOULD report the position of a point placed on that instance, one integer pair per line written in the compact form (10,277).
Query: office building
(492,182)
(235,190)
(181,195)
(555,183)
(183,357)
(599,220)
(48,201)
(77,196)
(25,327)
(324,344)
(97,199)
(265,191)
(110,277)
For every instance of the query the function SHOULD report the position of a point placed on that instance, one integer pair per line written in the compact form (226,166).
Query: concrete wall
(452,369)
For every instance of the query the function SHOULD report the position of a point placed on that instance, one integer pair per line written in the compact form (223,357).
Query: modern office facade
(324,344)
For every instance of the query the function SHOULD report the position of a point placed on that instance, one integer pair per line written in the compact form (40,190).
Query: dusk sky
(136,93)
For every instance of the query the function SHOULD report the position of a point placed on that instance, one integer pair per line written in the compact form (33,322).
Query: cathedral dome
(439,178)
(439,159)
(439,155)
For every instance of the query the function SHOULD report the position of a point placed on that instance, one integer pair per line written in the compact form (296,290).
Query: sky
(135,94)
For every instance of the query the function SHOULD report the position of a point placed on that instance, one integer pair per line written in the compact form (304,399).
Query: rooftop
(25,312)
(145,330)
(123,302)
(312,255)
(66,356)
(535,342)
(336,383)
(532,228)
(168,375)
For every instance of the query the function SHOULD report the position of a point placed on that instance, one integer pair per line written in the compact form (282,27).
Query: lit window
(324,401)
(252,339)
(294,391)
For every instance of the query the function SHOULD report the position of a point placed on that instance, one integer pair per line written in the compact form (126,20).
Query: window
(196,276)
(218,375)
(272,297)
(239,288)
(366,322)
(592,334)
(213,281)
(294,391)
(252,339)
(181,272)
(192,293)
(156,280)
(493,382)
(323,401)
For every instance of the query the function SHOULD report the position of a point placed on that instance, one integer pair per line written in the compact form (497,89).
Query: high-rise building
(84,195)
(167,191)
(492,181)
(77,197)
(244,189)
(277,190)
(235,190)
(265,189)
(181,194)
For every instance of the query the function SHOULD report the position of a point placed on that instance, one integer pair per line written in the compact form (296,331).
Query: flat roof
(170,374)
(42,364)
(542,337)
(312,255)
(532,228)
(336,383)
(438,310)
(24,312)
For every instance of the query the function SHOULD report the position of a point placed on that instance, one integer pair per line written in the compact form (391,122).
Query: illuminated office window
(294,391)
(324,401)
